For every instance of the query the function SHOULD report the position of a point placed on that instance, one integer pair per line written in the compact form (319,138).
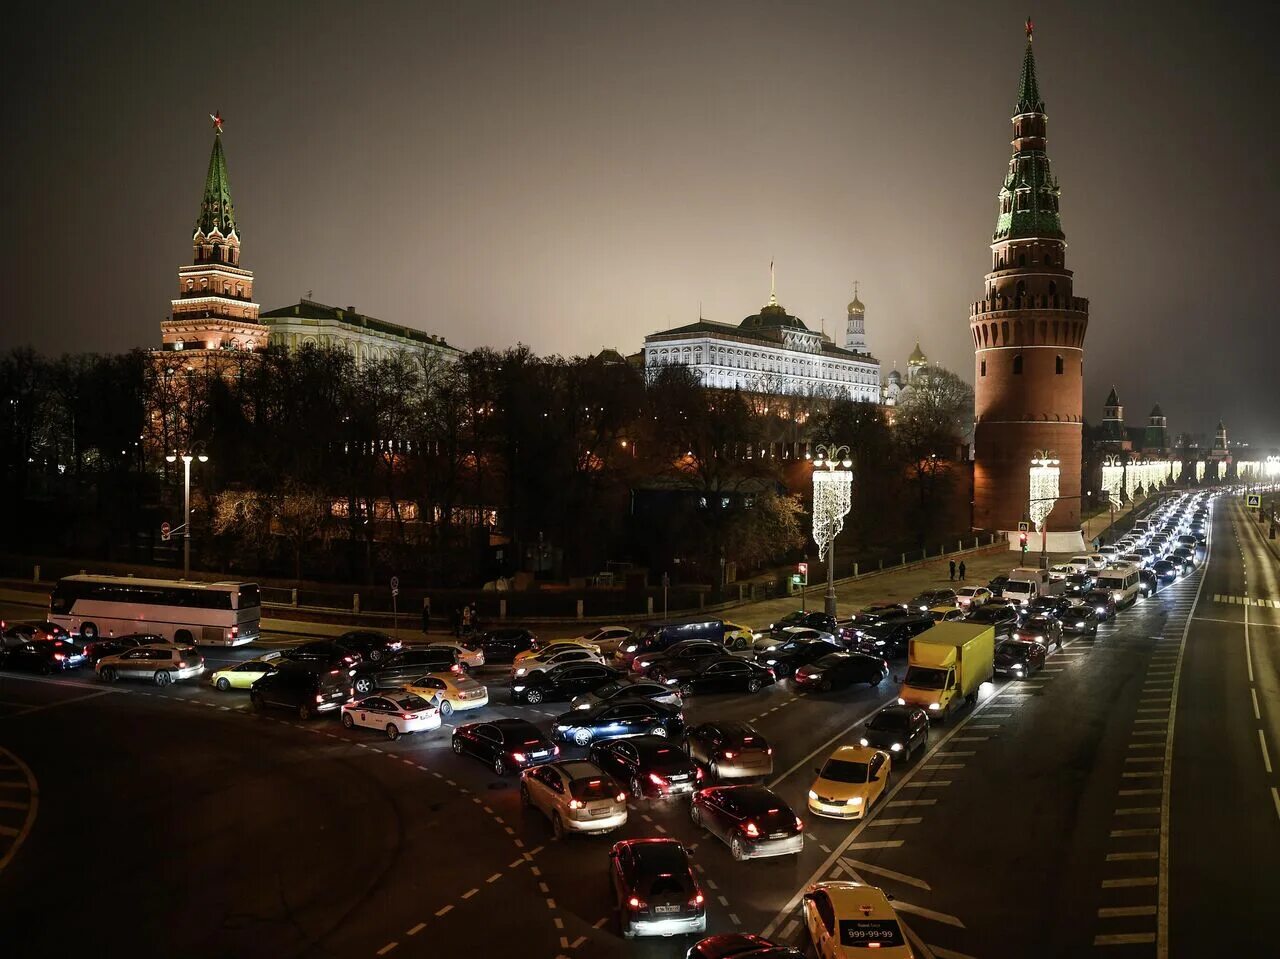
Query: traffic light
(802,570)
(1022,541)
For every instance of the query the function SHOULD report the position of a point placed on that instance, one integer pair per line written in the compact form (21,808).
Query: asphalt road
(177,822)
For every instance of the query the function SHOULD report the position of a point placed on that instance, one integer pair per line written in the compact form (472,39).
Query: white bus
(1122,584)
(208,614)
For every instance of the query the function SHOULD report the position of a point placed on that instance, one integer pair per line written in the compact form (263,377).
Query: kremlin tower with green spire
(214,311)
(1028,336)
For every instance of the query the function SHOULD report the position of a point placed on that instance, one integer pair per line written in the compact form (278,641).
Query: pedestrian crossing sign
(1253,500)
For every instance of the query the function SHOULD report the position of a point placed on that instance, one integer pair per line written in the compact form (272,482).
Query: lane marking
(1125,856)
(936,916)
(1128,883)
(469,893)
(387,948)
(1128,833)
(912,802)
(908,821)
(1124,939)
(881,844)
(416,929)
(1266,757)
(444,911)
(860,866)
(1117,912)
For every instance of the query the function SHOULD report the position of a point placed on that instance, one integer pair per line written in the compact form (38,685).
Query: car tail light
(728,754)
(656,779)
(772,674)
(621,797)
(455,668)
(635,903)
(59,656)
(799,825)
(518,757)
(769,751)
(575,804)
(753,830)
(555,750)
(408,715)
(699,772)
(235,631)
(319,698)
(696,900)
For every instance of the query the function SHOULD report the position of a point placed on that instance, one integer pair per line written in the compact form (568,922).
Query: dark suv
(890,639)
(502,645)
(306,691)
(656,891)
(404,667)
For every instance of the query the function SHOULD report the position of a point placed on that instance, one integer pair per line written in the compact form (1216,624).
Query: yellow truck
(945,666)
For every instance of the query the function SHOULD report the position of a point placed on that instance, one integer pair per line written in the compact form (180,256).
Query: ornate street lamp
(832,499)
(1113,482)
(185,528)
(1045,472)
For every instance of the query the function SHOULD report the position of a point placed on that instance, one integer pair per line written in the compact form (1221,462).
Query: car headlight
(896,747)
(864,742)
(1080,624)
(812,794)
(562,727)
(815,673)
(1016,667)
(901,701)
(630,648)
(771,662)
(672,681)
(1100,610)
(855,801)
(521,671)
(518,689)
(581,706)
(934,707)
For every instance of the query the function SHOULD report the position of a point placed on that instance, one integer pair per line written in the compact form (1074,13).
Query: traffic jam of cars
(612,727)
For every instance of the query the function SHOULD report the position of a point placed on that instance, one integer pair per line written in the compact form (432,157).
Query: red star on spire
(216,117)
(1031,28)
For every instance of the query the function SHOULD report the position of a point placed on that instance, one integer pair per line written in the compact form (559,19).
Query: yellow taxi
(845,919)
(450,692)
(737,637)
(849,782)
(243,675)
(945,614)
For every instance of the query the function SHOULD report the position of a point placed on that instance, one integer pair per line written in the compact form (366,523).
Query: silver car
(162,663)
(729,750)
(576,796)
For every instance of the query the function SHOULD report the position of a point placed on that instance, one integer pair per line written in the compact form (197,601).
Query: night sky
(576,175)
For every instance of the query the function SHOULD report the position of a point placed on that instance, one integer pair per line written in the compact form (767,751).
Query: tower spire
(216,210)
(1028,89)
(773,288)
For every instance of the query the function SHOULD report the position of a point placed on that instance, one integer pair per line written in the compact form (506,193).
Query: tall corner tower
(214,310)
(1028,337)
(1156,436)
(855,333)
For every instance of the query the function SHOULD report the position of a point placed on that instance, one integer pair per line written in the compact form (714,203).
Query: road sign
(165,531)
(1024,527)
(395,585)
(1253,500)
(802,574)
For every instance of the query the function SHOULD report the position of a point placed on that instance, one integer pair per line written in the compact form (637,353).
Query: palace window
(1058,366)
(984,367)
(1017,364)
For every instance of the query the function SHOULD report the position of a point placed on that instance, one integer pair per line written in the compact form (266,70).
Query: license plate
(666,908)
(539,754)
(777,835)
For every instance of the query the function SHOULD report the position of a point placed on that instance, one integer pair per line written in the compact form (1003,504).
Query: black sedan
(1056,606)
(1019,659)
(785,658)
(43,656)
(753,821)
(836,670)
(678,654)
(1040,628)
(1077,585)
(502,645)
(1081,620)
(931,598)
(616,721)
(403,667)
(890,639)
(810,619)
(651,766)
(628,691)
(730,675)
(504,744)
(900,729)
(324,653)
(1148,582)
(1001,616)
(1103,603)
(561,682)
(1166,571)
(95,649)
(655,890)
(740,945)
(371,645)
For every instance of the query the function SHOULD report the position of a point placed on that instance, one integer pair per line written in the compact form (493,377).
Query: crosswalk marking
(1229,600)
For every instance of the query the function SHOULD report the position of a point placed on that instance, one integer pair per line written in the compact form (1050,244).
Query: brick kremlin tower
(214,311)
(1028,336)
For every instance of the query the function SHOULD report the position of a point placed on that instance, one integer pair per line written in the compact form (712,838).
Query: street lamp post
(1044,495)
(832,499)
(186,504)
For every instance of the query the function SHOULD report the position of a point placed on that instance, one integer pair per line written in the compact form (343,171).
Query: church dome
(772,316)
(895,376)
(917,355)
(855,305)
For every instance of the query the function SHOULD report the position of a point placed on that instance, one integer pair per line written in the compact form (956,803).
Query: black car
(680,654)
(628,691)
(1019,659)
(502,645)
(563,681)
(785,658)
(1185,557)
(1148,582)
(729,675)
(324,654)
(651,766)
(1103,603)
(1077,584)
(729,749)
(1057,606)
(43,656)
(616,721)
(740,945)
(1041,628)
(811,619)
(931,598)
(305,690)
(404,667)
(371,645)
(654,887)
(900,729)
(505,745)
(95,649)
(1003,617)
(1081,620)
(891,639)
(887,612)
(997,586)
(1166,571)
(753,821)
(837,670)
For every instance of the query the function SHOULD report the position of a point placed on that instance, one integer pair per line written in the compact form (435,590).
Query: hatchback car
(504,744)
(900,729)
(396,714)
(654,886)
(162,663)
(614,720)
(1166,571)
(849,782)
(753,821)
(243,675)
(1103,603)
(564,681)
(651,766)
(303,689)
(1040,628)
(43,656)
(1018,658)
(848,918)
(729,750)
(575,796)
(837,670)
(450,692)
(971,597)
(1000,616)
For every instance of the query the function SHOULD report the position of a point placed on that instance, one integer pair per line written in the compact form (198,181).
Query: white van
(1121,583)
(1026,583)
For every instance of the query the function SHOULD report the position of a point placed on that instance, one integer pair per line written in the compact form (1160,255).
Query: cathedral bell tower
(1028,337)
(214,311)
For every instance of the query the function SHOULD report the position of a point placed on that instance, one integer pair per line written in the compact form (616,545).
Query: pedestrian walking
(962,571)
(953,570)
(466,620)
(475,617)
(426,615)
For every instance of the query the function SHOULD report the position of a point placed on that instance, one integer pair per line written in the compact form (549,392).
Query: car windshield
(843,771)
(888,720)
(1013,650)
(925,677)
(590,790)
